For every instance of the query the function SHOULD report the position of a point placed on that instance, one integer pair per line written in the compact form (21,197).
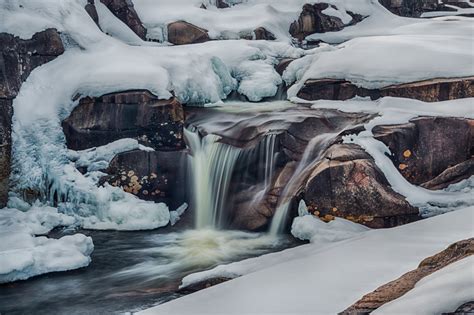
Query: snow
(390,60)
(95,159)
(313,229)
(23,255)
(441,292)
(324,279)
(393,111)
(98,64)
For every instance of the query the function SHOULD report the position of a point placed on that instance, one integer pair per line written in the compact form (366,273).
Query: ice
(313,229)
(322,279)
(441,292)
(24,255)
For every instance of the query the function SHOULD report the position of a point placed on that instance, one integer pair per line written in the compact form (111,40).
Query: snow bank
(441,292)
(380,61)
(323,279)
(393,111)
(23,255)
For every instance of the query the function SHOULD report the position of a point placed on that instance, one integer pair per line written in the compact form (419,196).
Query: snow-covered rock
(24,255)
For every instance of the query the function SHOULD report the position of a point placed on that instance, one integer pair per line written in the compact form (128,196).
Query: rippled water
(133,270)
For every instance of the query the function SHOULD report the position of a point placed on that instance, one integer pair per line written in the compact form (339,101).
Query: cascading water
(211,166)
(312,154)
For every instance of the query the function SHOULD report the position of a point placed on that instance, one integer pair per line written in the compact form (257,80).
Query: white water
(211,165)
(311,155)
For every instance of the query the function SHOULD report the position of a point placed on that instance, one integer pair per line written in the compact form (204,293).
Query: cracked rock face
(132,114)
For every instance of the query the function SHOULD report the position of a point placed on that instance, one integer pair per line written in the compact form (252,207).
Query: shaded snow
(323,279)
(441,292)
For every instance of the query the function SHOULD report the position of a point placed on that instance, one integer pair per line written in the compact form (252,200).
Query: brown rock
(312,20)
(451,175)
(283,64)
(262,33)
(415,8)
(157,175)
(434,90)
(132,114)
(432,149)
(348,180)
(183,33)
(125,11)
(405,283)
(18,58)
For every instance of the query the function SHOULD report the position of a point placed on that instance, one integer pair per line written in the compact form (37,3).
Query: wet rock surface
(18,57)
(433,90)
(348,184)
(158,176)
(431,151)
(405,283)
(131,114)
(340,179)
(125,11)
(183,33)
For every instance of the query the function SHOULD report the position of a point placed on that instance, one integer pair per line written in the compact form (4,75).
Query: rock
(203,285)
(407,282)
(125,11)
(183,33)
(92,11)
(6,112)
(222,4)
(411,8)
(465,309)
(131,114)
(262,33)
(18,58)
(158,176)
(312,20)
(423,149)
(434,90)
(283,64)
(451,175)
(348,184)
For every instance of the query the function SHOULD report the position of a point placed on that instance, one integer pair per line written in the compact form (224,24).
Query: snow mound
(23,255)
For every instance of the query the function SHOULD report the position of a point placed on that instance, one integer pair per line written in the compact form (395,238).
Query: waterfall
(312,155)
(211,165)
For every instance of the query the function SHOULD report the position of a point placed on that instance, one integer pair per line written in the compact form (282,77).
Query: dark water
(130,271)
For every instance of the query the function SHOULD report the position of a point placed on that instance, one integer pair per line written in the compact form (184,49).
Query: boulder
(348,184)
(125,11)
(411,8)
(18,57)
(159,176)
(262,33)
(313,20)
(183,33)
(433,90)
(134,114)
(92,11)
(431,151)
(395,289)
